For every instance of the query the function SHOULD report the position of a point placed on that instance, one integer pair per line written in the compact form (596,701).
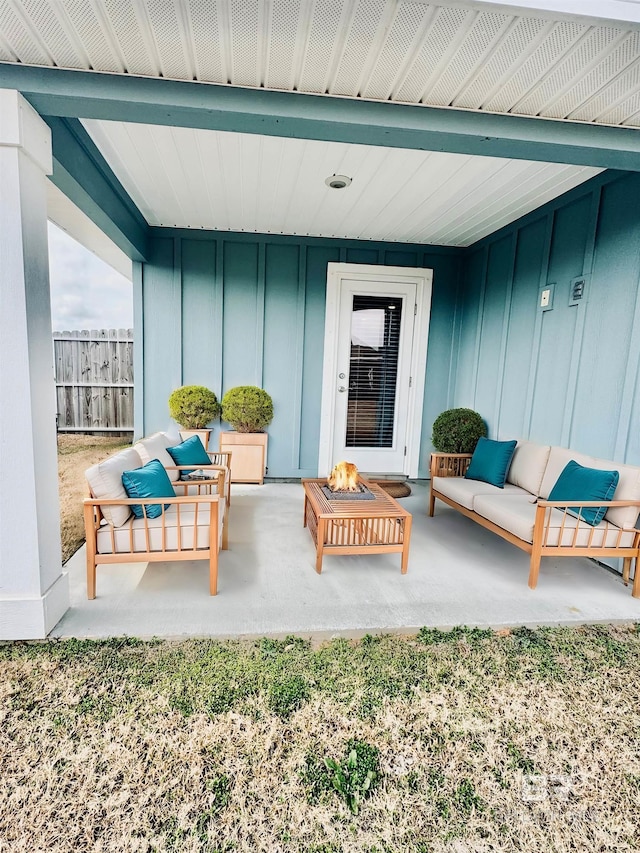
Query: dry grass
(76,453)
(524,742)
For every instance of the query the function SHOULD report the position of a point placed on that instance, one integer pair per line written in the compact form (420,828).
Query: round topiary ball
(193,406)
(457,431)
(247,408)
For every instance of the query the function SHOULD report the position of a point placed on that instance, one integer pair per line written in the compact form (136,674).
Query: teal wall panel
(497,291)
(442,353)
(242,314)
(162,344)
(202,361)
(569,375)
(231,309)
(283,353)
(317,258)
(558,328)
(470,324)
(394,258)
(519,351)
(608,371)
(362,256)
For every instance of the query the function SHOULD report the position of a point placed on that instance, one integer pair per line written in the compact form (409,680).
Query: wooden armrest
(221,469)
(449,464)
(93,514)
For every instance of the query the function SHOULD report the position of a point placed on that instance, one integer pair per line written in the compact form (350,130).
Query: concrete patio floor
(459,574)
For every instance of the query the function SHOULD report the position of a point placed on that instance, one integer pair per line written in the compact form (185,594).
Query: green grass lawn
(459,741)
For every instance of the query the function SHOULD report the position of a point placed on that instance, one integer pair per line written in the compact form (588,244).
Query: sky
(86,293)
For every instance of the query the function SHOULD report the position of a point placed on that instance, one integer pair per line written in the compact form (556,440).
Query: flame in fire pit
(344,478)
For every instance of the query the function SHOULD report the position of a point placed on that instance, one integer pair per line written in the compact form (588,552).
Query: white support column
(34,591)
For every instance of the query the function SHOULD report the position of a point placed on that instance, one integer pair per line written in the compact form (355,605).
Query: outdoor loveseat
(523,513)
(190,523)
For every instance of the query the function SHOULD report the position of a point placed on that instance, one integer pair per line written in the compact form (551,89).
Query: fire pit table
(342,524)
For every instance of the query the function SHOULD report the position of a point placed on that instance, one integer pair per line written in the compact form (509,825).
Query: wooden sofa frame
(205,487)
(219,460)
(209,504)
(456,465)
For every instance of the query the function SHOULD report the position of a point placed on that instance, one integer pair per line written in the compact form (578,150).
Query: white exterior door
(375,353)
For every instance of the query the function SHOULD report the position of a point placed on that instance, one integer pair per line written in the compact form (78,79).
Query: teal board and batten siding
(566,376)
(235,309)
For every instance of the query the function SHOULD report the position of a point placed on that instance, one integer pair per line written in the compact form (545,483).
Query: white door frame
(423,279)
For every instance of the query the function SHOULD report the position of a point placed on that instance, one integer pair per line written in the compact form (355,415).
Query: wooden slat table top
(384,506)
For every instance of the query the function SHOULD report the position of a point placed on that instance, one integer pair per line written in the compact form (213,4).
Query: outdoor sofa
(523,513)
(191,523)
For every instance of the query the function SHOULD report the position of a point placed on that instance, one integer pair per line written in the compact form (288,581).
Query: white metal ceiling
(465,55)
(470,55)
(245,182)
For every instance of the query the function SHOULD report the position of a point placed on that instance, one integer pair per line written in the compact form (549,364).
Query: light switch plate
(545,297)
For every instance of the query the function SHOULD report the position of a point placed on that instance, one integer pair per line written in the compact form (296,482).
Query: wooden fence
(94,380)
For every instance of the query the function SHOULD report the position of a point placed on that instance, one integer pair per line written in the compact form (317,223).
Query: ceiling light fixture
(337,182)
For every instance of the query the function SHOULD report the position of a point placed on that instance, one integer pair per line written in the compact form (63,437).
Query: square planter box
(249,455)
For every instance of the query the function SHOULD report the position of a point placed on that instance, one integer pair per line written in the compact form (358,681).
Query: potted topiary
(248,410)
(193,407)
(457,431)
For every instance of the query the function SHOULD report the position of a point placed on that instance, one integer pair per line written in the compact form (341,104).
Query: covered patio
(492,148)
(459,574)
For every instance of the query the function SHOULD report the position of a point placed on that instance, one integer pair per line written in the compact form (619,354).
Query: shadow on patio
(459,574)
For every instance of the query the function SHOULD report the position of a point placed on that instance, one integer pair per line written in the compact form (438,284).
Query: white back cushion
(105,481)
(628,484)
(155,447)
(528,466)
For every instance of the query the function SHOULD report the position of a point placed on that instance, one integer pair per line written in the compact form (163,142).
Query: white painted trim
(33,618)
(34,591)
(423,278)
(65,215)
(419,369)
(329,361)
(21,127)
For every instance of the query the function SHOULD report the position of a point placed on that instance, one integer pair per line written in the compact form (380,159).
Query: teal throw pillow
(150,481)
(577,483)
(190,452)
(490,461)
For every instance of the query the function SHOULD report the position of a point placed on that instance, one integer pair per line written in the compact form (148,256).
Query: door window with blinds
(373,370)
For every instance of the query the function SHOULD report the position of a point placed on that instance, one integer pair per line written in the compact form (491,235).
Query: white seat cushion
(463,491)
(528,466)
(155,447)
(628,485)
(517,514)
(131,536)
(105,481)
